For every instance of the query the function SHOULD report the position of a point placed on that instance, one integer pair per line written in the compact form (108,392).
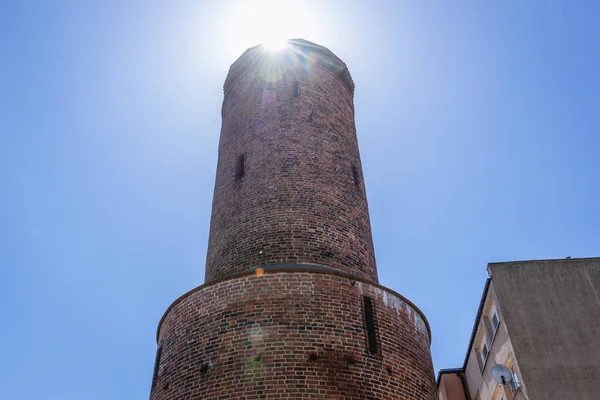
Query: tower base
(293,333)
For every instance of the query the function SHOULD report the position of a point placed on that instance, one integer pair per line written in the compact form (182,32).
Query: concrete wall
(551,311)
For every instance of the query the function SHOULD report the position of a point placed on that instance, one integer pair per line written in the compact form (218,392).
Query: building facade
(541,320)
(291,307)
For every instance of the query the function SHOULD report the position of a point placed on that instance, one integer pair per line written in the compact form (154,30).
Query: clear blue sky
(478,124)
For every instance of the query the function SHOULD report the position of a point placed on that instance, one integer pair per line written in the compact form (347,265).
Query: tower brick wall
(292,335)
(291,307)
(301,198)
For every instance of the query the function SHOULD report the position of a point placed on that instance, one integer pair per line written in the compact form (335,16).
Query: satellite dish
(501,374)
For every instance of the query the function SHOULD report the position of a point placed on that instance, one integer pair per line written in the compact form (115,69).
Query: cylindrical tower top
(309,51)
(289,187)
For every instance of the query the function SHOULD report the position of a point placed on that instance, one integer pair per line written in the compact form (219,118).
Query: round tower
(291,307)
(289,187)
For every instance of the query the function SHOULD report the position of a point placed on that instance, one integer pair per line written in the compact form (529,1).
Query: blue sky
(478,124)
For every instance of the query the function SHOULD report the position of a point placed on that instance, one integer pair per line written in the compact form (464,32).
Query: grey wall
(552,314)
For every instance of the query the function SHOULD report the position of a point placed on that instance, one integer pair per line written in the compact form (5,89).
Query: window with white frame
(494,320)
(481,349)
(483,352)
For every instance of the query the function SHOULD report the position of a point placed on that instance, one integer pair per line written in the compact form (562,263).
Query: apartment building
(541,321)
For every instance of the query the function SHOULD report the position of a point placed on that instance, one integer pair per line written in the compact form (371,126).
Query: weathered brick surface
(291,335)
(294,331)
(301,198)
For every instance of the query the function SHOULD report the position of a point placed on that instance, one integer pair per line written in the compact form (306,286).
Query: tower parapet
(303,50)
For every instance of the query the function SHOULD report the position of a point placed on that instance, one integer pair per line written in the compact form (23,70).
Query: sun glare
(248,23)
(275,44)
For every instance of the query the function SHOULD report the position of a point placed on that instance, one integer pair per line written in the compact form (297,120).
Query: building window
(484,352)
(371,324)
(355,176)
(515,384)
(494,320)
(240,167)
(156,367)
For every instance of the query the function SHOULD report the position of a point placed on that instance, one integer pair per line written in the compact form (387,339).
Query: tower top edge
(298,47)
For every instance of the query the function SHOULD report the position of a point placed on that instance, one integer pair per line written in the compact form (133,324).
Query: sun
(247,23)
(275,44)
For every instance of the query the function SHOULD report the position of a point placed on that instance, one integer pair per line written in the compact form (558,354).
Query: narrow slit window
(295,89)
(156,367)
(370,324)
(240,167)
(355,176)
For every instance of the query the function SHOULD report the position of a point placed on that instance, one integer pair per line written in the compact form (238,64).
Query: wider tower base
(293,332)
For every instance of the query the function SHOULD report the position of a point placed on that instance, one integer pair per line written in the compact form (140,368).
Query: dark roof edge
(546,260)
(447,371)
(473,333)
(477,318)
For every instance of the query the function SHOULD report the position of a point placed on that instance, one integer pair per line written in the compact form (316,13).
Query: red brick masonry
(313,323)
(301,198)
(292,335)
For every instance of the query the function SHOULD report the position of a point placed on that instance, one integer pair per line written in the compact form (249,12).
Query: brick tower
(291,307)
